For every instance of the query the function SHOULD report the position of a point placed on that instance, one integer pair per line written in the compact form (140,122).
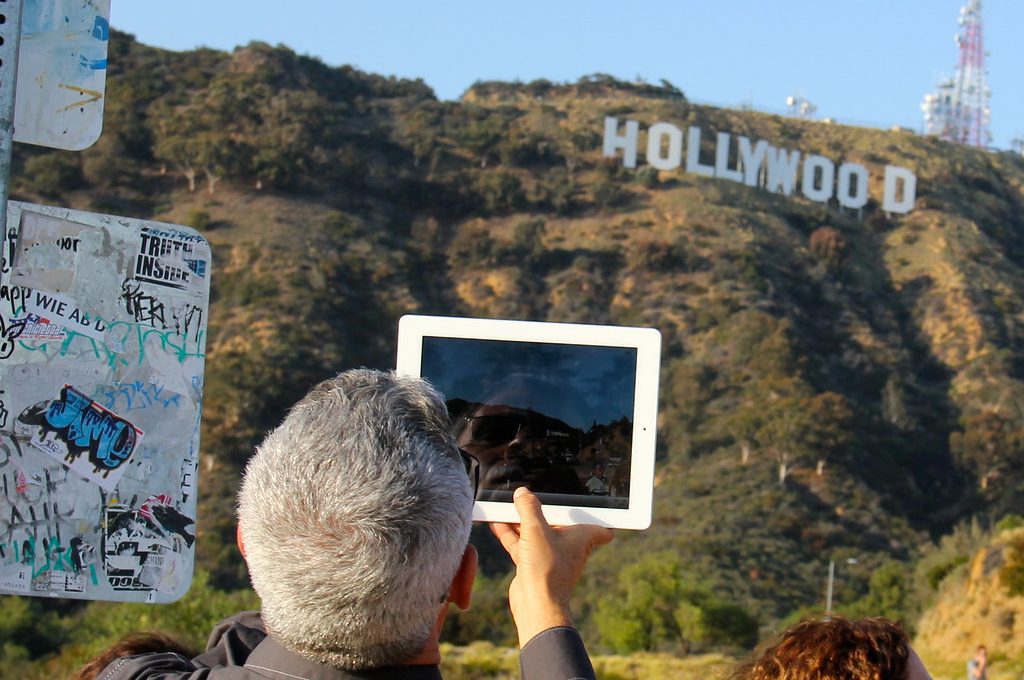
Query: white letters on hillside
(693,163)
(819,175)
(897,200)
(848,172)
(722,160)
(659,136)
(760,164)
(627,142)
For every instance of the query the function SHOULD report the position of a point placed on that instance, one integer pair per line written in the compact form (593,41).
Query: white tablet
(567,410)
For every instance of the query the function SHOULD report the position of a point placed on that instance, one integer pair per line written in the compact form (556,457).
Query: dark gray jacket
(240,649)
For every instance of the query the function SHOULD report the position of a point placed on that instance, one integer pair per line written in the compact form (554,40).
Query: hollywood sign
(760,165)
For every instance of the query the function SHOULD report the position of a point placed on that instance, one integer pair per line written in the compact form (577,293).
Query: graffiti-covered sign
(102,346)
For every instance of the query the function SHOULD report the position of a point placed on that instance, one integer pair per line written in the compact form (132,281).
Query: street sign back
(62,70)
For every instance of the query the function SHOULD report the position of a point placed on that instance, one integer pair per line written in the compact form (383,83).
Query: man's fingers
(600,535)
(507,535)
(531,516)
(586,536)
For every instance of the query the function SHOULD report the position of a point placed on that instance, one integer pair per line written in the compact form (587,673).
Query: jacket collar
(274,661)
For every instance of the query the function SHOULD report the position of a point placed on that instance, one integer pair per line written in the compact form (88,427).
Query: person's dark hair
(131,645)
(836,649)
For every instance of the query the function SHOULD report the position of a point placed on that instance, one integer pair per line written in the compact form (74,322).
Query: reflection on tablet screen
(555,418)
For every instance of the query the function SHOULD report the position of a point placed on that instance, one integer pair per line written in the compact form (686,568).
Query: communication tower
(958,110)
(800,107)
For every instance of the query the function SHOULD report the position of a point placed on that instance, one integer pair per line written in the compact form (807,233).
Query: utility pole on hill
(831,581)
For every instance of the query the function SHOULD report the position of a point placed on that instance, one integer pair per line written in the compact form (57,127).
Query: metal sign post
(10,40)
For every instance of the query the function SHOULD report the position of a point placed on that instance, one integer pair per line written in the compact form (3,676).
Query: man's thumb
(531,517)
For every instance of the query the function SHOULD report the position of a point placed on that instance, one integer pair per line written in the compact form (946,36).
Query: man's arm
(549,561)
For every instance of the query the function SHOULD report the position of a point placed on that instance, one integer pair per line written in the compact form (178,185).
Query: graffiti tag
(138,395)
(185,318)
(85,426)
(8,334)
(122,337)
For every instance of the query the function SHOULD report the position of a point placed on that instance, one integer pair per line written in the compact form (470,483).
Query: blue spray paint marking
(94,64)
(101,29)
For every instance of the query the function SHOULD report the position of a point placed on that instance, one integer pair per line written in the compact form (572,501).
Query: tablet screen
(557,418)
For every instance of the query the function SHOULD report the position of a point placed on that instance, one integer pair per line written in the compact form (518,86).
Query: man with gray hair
(354,518)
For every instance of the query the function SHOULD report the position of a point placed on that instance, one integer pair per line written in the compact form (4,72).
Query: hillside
(835,383)
(980,601)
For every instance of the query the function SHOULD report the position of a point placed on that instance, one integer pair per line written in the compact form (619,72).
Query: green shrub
(657,605)
(53,173)
(1010,522)
(1011,575)
(500,192)
(341,225)
(198,219)
(647,176)
(937,574)
(608,193)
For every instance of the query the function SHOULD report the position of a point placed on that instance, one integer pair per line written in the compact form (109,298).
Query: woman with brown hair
(838,649)
(131,645)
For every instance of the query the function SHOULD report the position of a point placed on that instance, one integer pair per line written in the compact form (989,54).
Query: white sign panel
(102,350)
(62,71)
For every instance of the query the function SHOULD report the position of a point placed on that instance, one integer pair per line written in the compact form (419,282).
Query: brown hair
(130,645)
(836,649)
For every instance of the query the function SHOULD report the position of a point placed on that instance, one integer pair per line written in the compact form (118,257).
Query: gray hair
(355,513)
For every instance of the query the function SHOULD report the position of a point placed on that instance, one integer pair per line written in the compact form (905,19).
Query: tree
(992,446)
(894,404)
(419,130)
(528,240)
(499,191)
(483,132)
(888,593)
(782,418)
(1011,574)
(828,245)
(656,604)
(290,137)
(53,173)
(173,141)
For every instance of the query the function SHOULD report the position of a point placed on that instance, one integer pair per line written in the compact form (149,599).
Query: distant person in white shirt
(597,485)
(977,668)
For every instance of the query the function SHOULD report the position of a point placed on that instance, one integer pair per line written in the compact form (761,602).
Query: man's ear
(238,539)
(461,591)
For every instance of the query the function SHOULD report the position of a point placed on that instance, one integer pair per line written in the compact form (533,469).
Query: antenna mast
(958,111)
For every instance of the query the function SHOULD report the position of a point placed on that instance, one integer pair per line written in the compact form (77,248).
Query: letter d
(892,200)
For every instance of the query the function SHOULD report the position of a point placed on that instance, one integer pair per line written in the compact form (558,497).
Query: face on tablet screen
(553,417)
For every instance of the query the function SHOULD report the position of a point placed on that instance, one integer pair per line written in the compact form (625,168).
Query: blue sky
(867,62)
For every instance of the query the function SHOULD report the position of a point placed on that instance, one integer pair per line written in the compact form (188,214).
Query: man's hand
(549,561)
